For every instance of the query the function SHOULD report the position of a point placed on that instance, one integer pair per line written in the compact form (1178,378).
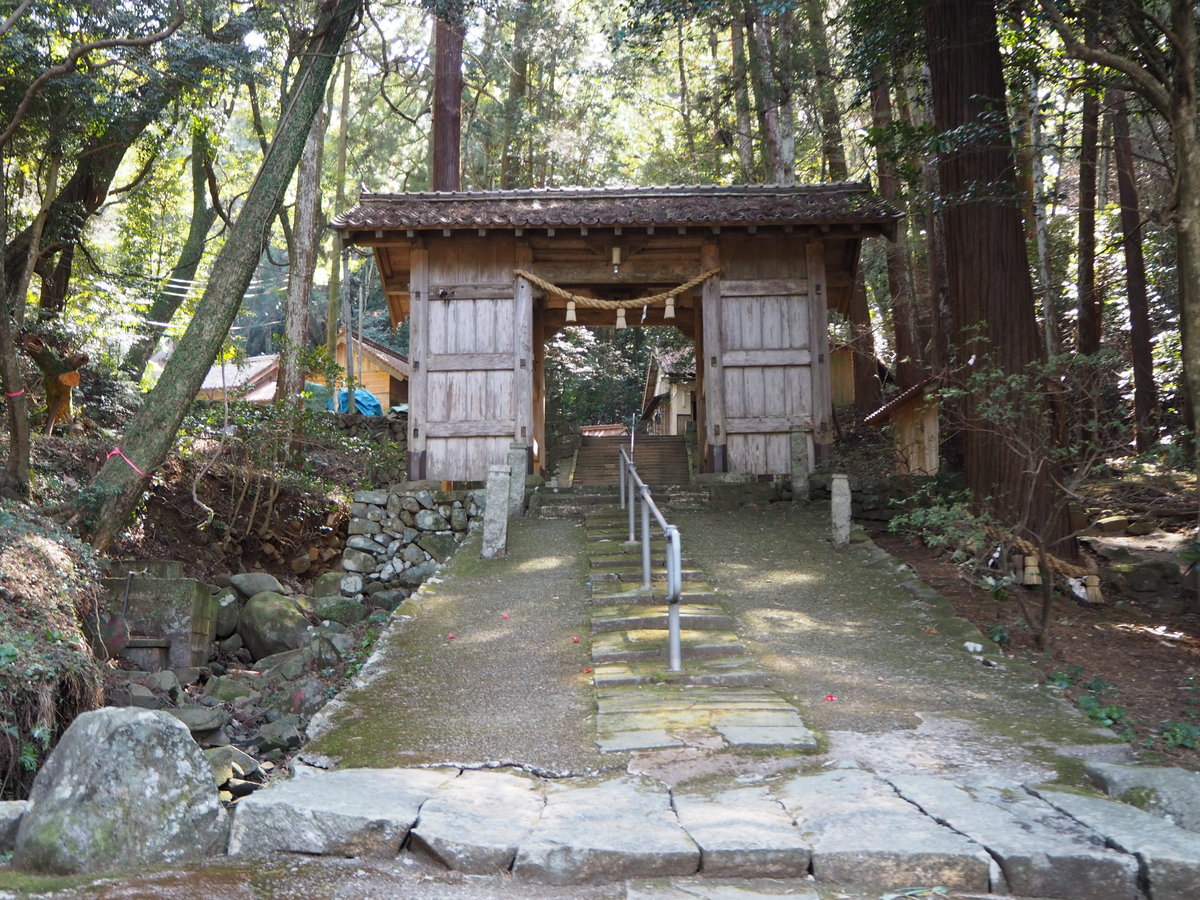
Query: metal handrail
(631,484)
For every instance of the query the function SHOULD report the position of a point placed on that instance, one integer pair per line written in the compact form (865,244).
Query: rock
(358,561)
(606,831)
(413,554)
(201,720)
(862,833)
(1112,524)
(363,526)
(228,688)
(123,789)
(1173,794)
(167,682)
(281,735)
(342,610)
(459,520)
(351,584)
(389,599)
(1169,856)
(349,812)
(439,546)
(271,623)
(142,697)
(288,664)
(375,498)
(362,542)
(475,823)
(232,644)
(1042,852)
(230,762)
(300,563)
(416,576)
(330,584)
(251,583)
(228,611)
(11,812)
(1140,529)
(430,520)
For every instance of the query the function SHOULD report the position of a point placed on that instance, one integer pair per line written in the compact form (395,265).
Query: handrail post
(621,474)
(674,591)
(631,486)
(645,538)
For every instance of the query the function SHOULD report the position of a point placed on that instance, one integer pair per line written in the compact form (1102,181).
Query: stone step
(608,593)
(632,577)
(727,672)
(692,617)
(651,644)
(622,562)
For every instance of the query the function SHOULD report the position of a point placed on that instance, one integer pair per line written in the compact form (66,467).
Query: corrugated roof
(850,203)
(235,374)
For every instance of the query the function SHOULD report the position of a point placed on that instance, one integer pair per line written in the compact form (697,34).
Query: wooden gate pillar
(714,389)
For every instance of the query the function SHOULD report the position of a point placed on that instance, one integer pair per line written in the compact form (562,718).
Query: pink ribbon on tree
(116,451)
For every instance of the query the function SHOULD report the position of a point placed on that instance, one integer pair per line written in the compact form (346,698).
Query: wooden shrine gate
(450,264)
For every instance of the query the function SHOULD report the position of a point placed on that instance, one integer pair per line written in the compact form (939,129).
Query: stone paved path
(720,698)
(625,783)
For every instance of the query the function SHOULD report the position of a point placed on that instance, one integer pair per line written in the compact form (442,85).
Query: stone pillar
(839,490)
(495,516)
(518,463)
(801,465)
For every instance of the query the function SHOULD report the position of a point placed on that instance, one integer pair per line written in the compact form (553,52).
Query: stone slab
(863,833)
(626,741)
(1174,793)
(1041,851)
(714,889)
(604,831)
(475,823)
(742,831)
(351,812)
(796,737)
(1169,856)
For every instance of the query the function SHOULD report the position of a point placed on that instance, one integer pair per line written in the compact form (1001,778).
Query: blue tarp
(363,399)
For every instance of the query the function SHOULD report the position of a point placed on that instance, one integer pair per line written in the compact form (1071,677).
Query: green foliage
(597,376)
(1184,735)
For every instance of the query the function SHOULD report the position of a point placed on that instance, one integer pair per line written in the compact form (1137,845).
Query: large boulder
(124,788)
(271,623)
(251,583)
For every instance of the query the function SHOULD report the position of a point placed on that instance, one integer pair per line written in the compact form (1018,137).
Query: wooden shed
(379,369)
(485,278)
(913,414)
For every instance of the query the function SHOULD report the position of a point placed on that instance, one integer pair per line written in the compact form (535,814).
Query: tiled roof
(849,204)
(230,375)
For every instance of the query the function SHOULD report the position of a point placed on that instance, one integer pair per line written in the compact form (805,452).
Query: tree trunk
(169,298)
(741,100)
(335,271)
(827,105)
(515,100)
(1145,392)
(447,108)
(767,94)
(307,234)
(150,435)
(16,402)
(1090,323)
(990,291)
(1041,227)
(910,367)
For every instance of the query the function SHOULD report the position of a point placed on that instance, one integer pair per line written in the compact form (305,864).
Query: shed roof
(850,203)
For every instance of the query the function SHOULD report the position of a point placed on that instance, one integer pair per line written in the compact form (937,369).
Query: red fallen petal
(830,697)
(587,671)
(504,616)
(450,637)
(574,640)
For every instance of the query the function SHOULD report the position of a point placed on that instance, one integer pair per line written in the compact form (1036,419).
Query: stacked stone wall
(398,537)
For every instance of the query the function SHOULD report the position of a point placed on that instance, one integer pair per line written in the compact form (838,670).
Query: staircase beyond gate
(661,460)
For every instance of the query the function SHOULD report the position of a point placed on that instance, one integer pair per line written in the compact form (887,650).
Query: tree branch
(1155,92)
(17,13)
(69,64)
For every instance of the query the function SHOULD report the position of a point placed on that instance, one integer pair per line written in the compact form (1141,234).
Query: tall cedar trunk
(16,401)
(685,95)
(1145,392)
(1090,325)
(831,119)
(767,95)
(171,296)
(447,107)
(307,236)
(1041,227)
(516,98)
(741,101)
(150,435)
(990,291)
(335,272)
(910,367)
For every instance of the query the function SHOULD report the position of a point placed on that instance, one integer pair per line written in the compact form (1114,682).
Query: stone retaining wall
(397,537)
